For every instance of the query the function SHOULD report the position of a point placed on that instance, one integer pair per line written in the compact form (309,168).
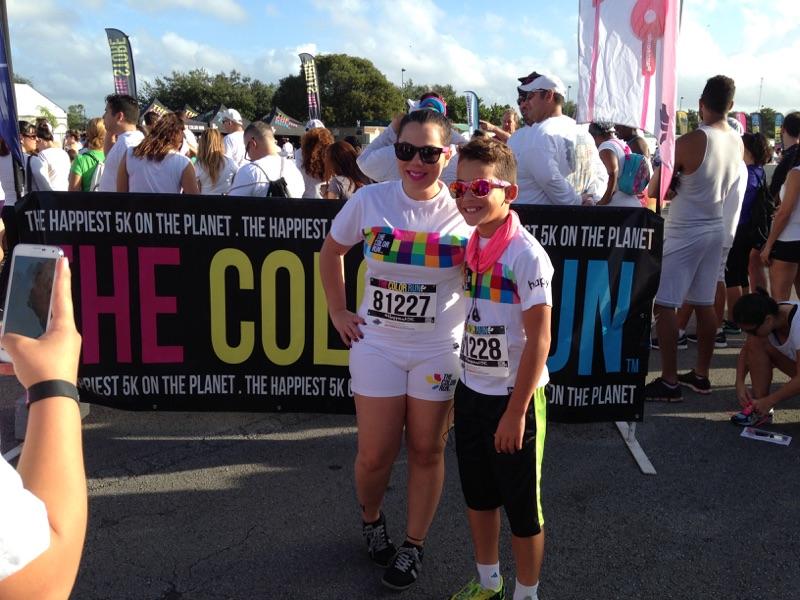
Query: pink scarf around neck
(479,260)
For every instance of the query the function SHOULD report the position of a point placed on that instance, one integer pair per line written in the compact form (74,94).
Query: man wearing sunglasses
(558,161)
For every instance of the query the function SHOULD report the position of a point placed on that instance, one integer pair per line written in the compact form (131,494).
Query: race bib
(399,305)
(485,350)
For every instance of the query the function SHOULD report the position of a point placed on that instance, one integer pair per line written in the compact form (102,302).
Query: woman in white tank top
(781,251)
(155,166)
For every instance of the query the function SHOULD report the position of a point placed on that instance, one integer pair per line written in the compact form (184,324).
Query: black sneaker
(682,343)
(730,328)
(691,337)
(404,568)
(720,341)
(695,382)
(379,545)
(659,390)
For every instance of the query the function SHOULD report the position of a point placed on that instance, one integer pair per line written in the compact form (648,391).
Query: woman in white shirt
(781,251)
(156,166)
(313,145)
(612,153)
(50,167)
(214,170)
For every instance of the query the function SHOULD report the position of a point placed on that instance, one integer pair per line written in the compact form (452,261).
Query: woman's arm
(784,214)
(331,270)
(787,390)
(189,180)
(609,158)
(75,182)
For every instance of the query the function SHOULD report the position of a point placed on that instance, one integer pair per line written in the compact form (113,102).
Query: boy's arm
(536,320)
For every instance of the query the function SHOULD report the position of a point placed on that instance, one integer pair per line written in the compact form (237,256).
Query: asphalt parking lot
(213,506)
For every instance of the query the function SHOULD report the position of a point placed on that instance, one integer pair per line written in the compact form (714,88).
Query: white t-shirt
(378,162)
(50,170)
(557,162)
(156,176)
(791,233)
(233,145)
(312,185)
(24,528)
(224,178)
(414,252)
(8,191)
(493,345)
(792,344)
(252,178)
(287,150)
(128,139)
(189,141)
(619,198)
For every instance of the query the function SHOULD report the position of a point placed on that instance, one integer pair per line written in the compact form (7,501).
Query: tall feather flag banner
(628,68)
(312,86)
(472,111)
(778,126)
(8,103)
(121,62)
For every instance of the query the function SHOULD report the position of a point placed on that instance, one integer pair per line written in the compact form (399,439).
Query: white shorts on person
(379,371)
(413,303)
(24,528)
(690,269)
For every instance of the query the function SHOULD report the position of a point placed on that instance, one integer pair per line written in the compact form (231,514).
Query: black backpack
(278,188)
(761,214)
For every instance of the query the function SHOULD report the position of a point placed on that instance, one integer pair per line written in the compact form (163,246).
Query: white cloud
(229,10)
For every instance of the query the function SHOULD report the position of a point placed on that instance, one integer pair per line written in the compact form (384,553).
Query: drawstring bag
(635,172)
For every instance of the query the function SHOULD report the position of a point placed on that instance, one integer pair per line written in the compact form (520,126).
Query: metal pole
(760,88)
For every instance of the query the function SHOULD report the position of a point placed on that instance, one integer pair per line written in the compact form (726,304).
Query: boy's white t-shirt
(414,252)
(128,139)
(24,528)
(791,233)
(494,334)
(791,346)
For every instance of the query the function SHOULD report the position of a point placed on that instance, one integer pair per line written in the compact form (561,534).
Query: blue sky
(484,46)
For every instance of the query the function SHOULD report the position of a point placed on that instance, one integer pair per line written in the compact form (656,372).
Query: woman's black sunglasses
(427,154)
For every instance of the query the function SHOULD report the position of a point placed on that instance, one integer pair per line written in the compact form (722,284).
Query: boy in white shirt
(500,408)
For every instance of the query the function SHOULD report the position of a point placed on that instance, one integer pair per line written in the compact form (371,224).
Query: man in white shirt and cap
(233,143)
(558,163)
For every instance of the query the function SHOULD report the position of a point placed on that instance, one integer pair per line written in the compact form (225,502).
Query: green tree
(494,113)
(693,118)
(203,91)
(76,117)
(22,79)
(47,114)
(570,108)
(351,89)
(768,121)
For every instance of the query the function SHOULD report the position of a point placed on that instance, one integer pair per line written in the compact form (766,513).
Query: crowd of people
(455,287)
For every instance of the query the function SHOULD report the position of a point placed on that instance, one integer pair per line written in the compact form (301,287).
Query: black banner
(121,62)
(215,303)
(312,86)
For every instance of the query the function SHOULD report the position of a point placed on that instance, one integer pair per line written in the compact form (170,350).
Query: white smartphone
(29,296)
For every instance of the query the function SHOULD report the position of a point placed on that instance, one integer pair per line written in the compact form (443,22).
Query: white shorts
(689,270)
(723,265)
(382,372)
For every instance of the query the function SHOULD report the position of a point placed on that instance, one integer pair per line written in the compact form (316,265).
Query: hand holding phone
(56,354)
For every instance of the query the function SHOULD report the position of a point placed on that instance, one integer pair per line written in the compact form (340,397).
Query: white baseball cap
(313,124)
(544,82)
(231,114)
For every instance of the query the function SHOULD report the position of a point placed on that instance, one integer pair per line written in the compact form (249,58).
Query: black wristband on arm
(52,388)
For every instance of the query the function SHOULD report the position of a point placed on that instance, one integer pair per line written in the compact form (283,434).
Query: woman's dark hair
(598,128)
(758,147)
(165,136)
(44,131)
(340,159)
(752,309)
(313,144)
(428,116)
